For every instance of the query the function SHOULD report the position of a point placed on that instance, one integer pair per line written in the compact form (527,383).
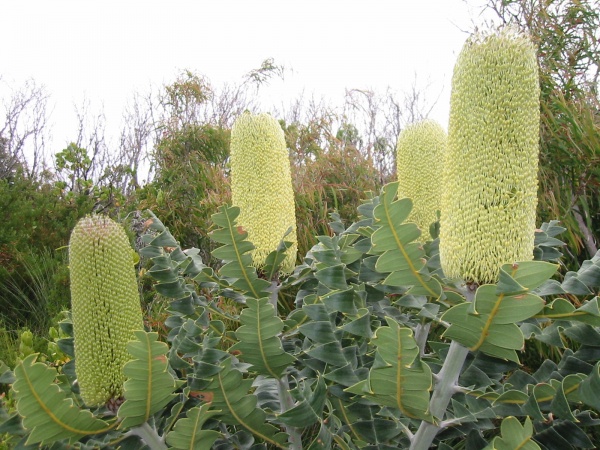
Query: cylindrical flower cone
(105,306)
(489,194)
(261,186)
(419,158)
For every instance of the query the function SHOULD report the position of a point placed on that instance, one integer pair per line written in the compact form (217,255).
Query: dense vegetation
(178,142)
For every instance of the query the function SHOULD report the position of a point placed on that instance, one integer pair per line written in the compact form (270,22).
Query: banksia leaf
(105,306)
(514,435)
(235,253)
(419,154)
(47,412)
(149,386)
(490,172)
(261,186)
(259,343)
(230,395)
(398,378)
(188,432)
(401,255)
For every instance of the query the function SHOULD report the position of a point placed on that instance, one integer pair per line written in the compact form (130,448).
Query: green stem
(149,436)
(287,403)
(445,388)
(283,387)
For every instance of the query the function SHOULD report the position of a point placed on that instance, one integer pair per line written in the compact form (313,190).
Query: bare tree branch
(24,130)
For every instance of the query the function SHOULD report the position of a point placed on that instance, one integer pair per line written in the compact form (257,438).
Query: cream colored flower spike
(261,186)
(489,192)
(105,306)
(419,154)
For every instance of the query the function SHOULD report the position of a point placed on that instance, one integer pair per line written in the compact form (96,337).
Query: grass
(30,296)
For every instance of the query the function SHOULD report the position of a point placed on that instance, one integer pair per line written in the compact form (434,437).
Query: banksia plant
(261,186)
(105,306)
(419,160)
(490,170)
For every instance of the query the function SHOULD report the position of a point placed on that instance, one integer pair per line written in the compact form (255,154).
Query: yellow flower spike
(261,186)
(105,306)
(419,154)
(489,178)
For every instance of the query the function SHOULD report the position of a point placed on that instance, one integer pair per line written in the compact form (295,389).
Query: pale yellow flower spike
(419,154)
(105,306)
(490,182)
(261,186)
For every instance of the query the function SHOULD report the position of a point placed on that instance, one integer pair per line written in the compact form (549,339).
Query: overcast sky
(103,51)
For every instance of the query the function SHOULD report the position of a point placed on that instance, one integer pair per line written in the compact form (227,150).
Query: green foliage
(336,180)
(79,184)
(35,291)
(259,343)
(401,254)
(230,395)
(348,366)
(188,432)
(149,385)
(190,182)
(514,435)
(47,412)
(398,378)
(235,253)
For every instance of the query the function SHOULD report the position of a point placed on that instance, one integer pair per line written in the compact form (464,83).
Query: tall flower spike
(261,186)
(489,192)
(419,154)
(105,306)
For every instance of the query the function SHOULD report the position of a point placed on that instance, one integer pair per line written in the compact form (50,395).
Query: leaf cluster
(356,363)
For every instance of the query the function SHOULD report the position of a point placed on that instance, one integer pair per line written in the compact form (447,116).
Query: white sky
(103,51)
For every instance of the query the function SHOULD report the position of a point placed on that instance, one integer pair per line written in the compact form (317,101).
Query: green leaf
(512,397)
(340,300)
(398,377)
(489,324)
(318,331)
(48,414)
(12,424)
(559,404)
(585,279)
(334,277)
(171,266)
(344,376)
(149,385)
(259,343)
(514,436)
(229,392)
(589,389)
(400,256)
(524,276)
(563,309)
(6,375)
(164,239)
(275,259)
(330,353)
(188,433)
(235,253)
(310,409)
(361,325)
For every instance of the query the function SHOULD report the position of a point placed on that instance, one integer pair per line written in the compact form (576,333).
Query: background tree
(24,130)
